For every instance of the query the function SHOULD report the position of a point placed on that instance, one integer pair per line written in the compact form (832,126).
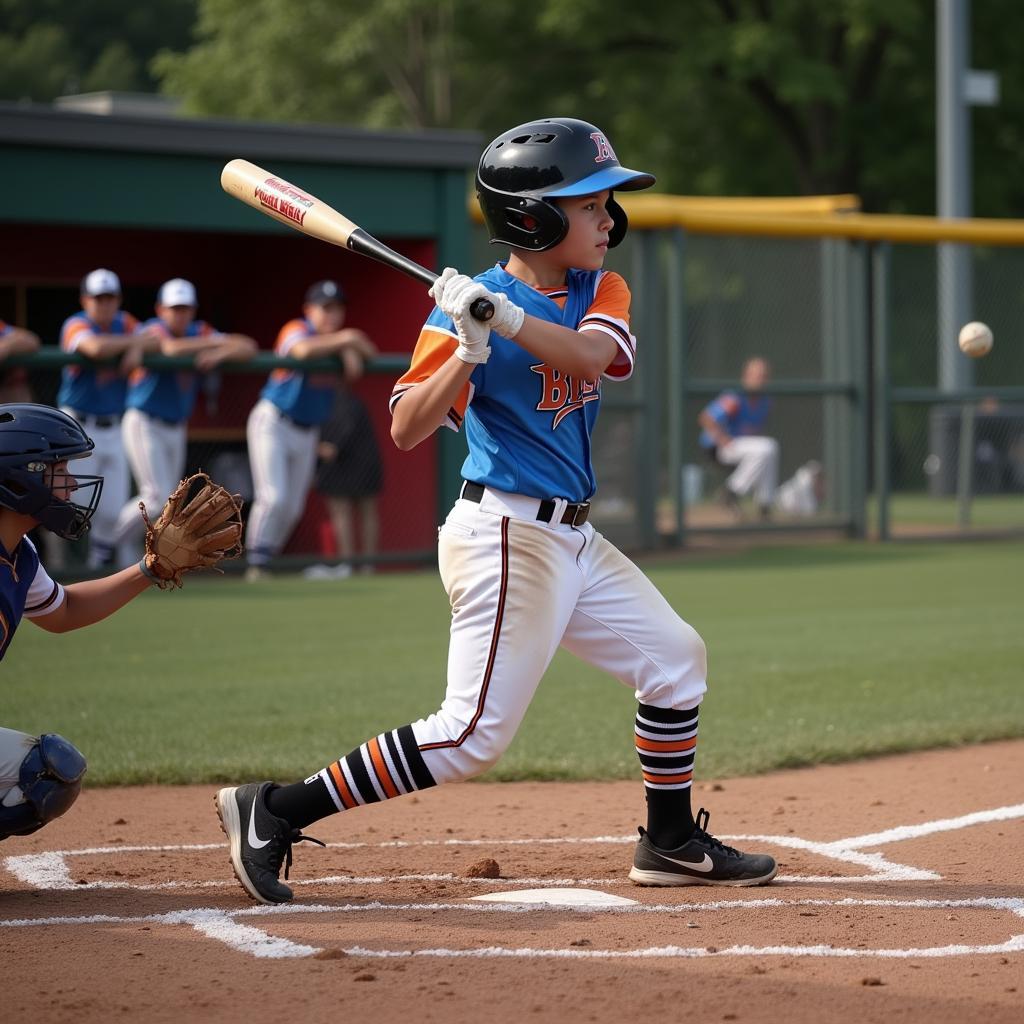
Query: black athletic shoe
(259,842)
(702,860)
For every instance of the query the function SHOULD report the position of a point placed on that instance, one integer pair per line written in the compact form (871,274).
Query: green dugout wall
(142,196)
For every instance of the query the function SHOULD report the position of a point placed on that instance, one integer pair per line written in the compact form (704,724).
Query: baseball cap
(177,292)
(101,282)
(324,292)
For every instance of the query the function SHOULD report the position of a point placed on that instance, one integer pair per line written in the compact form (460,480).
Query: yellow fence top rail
(802,217)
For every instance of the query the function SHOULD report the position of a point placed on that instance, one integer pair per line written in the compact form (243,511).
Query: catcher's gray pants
(14,746)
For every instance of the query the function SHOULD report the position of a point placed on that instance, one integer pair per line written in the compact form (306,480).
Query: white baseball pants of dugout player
(282,455)
(156,453)
(757,466)
(108,460)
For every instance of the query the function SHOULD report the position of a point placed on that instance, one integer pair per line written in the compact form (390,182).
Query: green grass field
(987,511)
(819,653)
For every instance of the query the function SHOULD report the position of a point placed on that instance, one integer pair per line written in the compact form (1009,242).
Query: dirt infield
(899,898)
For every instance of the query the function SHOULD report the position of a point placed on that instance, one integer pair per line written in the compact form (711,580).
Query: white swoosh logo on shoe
(707,864)
(254,840)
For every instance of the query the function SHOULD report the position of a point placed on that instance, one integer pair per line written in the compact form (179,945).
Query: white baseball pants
(757,466)
(282,456)
(519,589)
(108,461)
(156,453)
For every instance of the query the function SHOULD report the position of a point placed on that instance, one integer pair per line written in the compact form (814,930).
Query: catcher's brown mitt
(200,525)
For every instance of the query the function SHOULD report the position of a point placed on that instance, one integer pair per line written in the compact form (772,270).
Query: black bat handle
(365,244)
(482,309)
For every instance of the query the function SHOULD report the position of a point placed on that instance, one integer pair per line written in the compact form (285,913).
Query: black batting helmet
(524,169)
(32,439)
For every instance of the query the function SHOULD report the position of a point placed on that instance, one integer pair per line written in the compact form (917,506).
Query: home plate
(557,898)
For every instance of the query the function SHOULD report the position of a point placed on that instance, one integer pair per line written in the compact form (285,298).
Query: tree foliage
(51,47)
(715,96)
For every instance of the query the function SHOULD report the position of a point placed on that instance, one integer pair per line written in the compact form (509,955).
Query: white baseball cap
(177,292)
(101,282)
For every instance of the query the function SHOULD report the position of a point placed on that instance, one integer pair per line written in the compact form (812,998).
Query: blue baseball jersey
(25,589)
(306,398)
(529,425)
(167,394)
(91,389)
(738,414)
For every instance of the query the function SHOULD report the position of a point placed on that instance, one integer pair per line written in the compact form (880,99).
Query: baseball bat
(290,205)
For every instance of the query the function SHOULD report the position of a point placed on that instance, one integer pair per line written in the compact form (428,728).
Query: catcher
(41,776)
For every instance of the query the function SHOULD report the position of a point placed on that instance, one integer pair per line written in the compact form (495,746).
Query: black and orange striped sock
(666,742)
(386,766)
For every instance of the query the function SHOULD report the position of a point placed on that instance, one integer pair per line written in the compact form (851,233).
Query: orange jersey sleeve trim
(433,349)
(609,314)
(292,332)
(73,333)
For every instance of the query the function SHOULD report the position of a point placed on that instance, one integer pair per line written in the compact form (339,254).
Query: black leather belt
(88,420)
(291,419)
(574,515)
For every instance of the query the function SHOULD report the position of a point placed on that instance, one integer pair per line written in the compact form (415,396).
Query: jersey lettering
(562,393)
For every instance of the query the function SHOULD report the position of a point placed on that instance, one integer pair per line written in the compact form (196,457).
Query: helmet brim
(620,179)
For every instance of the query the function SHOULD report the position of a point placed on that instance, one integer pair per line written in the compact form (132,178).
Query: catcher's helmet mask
(525,169)
(33,439)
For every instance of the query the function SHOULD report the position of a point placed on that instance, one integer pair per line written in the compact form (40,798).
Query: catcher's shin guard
(50,779)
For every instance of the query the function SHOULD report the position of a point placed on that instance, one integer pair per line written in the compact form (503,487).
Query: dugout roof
(115,170)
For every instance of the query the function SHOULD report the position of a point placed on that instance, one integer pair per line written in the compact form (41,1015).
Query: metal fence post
(881,262)
(857,367)
(675,376)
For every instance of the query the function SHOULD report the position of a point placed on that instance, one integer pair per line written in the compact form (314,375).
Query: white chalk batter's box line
(224,926)
(50,871)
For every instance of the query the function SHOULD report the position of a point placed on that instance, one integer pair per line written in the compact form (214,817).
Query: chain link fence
(955,458)
(868,441)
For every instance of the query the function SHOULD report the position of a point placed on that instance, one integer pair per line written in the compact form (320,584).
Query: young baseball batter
(41,776)
(524,569)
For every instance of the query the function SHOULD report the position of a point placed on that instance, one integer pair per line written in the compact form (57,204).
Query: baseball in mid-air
(975,339)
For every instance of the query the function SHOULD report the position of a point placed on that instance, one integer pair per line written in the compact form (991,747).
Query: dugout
(140,194)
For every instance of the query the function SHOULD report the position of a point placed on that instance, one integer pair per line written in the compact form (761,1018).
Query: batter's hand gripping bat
(290,205)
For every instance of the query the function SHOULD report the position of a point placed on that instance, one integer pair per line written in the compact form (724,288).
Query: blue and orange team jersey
(89,388)
(167,394)
(528,425)
(25,590)
(738,414)
(306,398)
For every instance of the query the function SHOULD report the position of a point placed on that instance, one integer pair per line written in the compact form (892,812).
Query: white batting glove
(508,317)
(454,294)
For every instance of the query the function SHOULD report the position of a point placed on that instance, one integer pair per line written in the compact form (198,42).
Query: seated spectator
(732,432)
